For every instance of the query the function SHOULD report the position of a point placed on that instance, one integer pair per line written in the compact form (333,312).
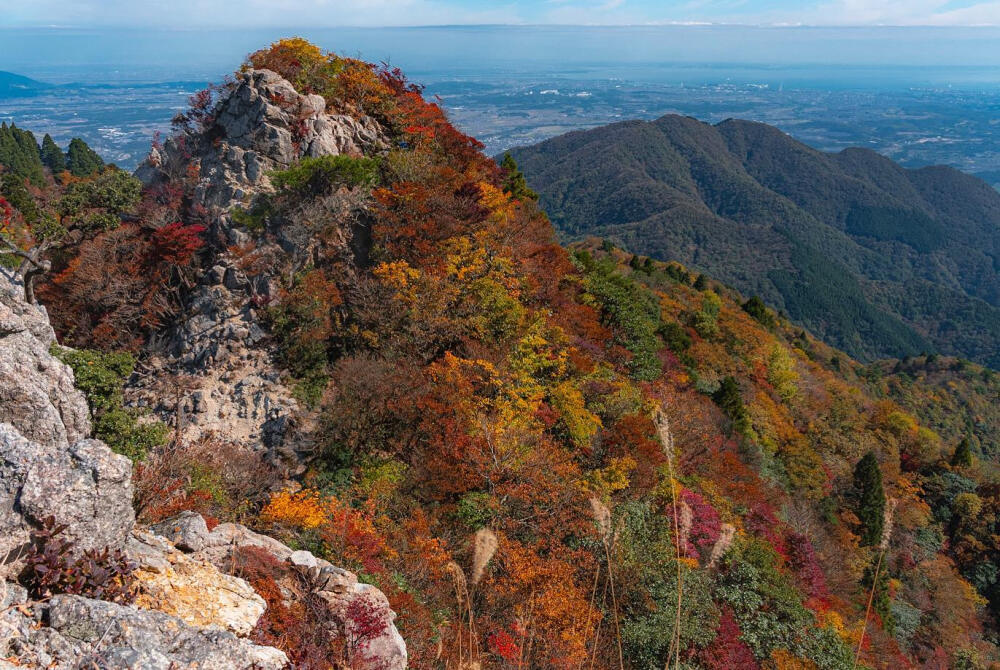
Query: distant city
(917,115)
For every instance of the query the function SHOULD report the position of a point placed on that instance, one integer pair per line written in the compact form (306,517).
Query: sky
(332,13)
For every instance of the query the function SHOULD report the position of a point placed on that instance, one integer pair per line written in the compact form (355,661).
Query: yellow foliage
(581,424)
(605,481)
(302,509)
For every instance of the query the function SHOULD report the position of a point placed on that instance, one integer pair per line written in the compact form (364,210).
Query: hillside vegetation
(875,259)
(544,457)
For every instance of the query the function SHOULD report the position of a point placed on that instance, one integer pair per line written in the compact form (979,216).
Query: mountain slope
(876,259)
(15,85)
(544,457)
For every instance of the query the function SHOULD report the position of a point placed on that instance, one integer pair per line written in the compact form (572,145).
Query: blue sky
(329,13)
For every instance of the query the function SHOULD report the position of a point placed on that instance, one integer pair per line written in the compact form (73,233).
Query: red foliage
(6,214)
(300,629)
(802,559)
(727,650)
(705,526)
(504,645)
(176,243)
(365,620)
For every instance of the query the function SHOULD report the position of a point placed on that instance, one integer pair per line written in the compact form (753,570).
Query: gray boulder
(86,486)
(94,633)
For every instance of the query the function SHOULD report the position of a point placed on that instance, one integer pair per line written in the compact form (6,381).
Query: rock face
(47,467)
(259,123)
(85,633)
(339,588)
(37,395)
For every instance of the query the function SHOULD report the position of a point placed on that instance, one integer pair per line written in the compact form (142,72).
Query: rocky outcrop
(339,588)
(85,633)
(37,395)
(260,123)
(192,589)
(47,466)
(233,387)
(189,611)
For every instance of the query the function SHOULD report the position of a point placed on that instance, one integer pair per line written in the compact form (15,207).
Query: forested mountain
(876,259)
(320,311)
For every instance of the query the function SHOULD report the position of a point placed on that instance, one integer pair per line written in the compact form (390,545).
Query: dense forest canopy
(878,260)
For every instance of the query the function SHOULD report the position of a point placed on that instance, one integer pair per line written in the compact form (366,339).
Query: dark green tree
(756,308)
(701,283)
(81,160)
(729,400)
(514,181)
(52,156)
(19,154)
(962,457)
(98,204)
(871,499)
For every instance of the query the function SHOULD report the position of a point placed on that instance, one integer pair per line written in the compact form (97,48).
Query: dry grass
(667,440)
(887,520)
(485,544)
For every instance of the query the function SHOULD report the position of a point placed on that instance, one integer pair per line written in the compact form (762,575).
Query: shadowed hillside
(874,258)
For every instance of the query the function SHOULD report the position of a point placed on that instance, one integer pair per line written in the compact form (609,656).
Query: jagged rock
(338,587)
(128,637)
(37,395)
(261,123)
(199,594)
(188,530)
(86,486)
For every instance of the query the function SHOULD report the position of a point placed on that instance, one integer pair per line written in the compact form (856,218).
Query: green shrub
(313,176)
(632,310)
(101,377)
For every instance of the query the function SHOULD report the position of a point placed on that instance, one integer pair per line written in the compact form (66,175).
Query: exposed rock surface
(84,633)
(47,466)
(194,590)
(37,395)
(338,587)
(233,387)
(260,123)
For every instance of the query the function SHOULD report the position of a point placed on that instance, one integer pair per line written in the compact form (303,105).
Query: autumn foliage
(469,373)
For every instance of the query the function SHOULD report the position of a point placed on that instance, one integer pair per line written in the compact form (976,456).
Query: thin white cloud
(248,13)
(330,13)
(891,12)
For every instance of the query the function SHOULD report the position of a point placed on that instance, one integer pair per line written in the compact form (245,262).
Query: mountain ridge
(755,208)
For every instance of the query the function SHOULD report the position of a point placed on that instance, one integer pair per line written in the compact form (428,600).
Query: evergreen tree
(962,458)
(19,154)
(701,283)
(634,263)
(52,156)
(81,160)
(514,181)
(871,499)
(729,400)
(756,308)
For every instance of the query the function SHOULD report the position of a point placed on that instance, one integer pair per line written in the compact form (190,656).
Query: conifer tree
(728,399)
(962,458)
(701,283)
(871,499)
(514,181)
(81,160)
(19,154)
(52,156)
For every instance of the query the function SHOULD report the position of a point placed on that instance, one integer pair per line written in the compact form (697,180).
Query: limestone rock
(129,637)
(197,593)
(261,123)
(37,395)
(188,531)
(85,486)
